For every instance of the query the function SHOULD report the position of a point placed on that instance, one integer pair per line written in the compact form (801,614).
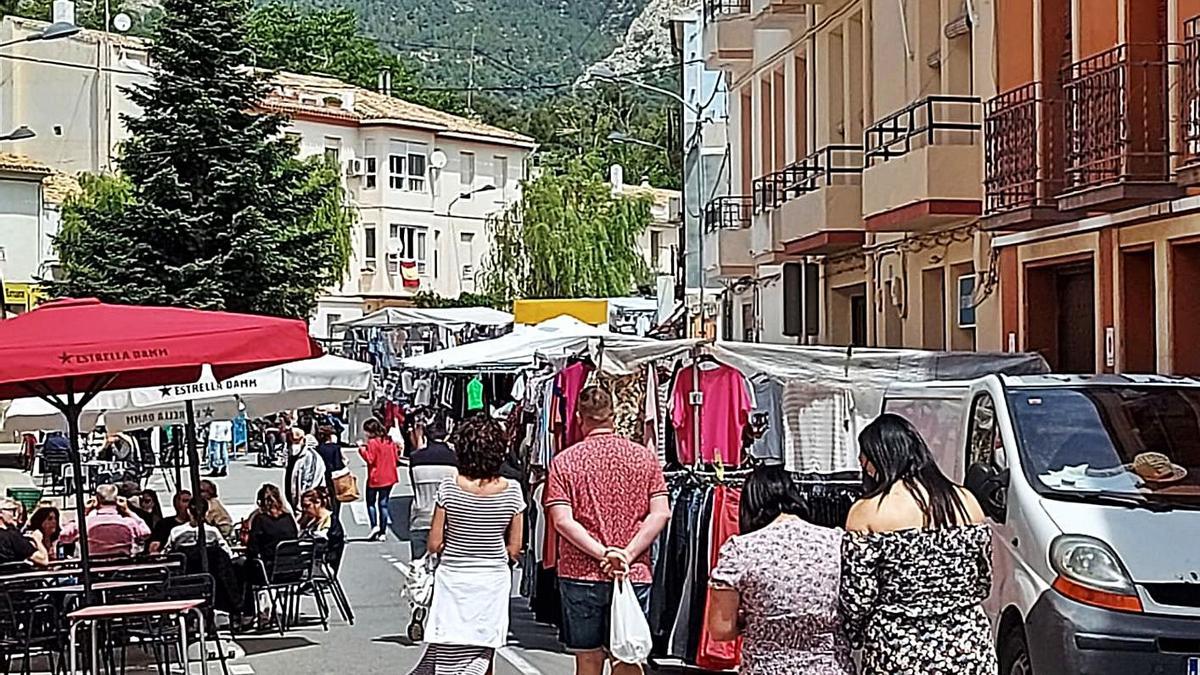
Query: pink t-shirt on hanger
(724,413)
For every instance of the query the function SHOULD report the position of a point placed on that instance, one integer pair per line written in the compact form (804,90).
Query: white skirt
(470,604)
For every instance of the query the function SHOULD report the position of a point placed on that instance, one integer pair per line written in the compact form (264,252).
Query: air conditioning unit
(354,168)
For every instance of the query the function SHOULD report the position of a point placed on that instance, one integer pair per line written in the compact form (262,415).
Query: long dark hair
(900,455)
(39,518)
(769,492)
(270,501)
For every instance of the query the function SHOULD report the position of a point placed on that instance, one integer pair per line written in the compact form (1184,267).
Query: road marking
(517,661)
(241,669)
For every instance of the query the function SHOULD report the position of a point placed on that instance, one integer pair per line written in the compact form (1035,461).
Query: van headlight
(1090,572)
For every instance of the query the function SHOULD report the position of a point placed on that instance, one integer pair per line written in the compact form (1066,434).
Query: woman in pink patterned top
(777,585)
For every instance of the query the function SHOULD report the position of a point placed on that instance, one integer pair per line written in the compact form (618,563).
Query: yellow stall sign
(529,312)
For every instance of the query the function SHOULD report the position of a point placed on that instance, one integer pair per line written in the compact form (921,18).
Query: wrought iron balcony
(932,120)
(1118,150)
(1024,142)
(832,164)
(719,9)
(1189,112)
(732,212)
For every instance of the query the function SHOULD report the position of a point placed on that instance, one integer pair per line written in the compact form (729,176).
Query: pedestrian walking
(382,457)
(607,498)
(306,469)
(429,467)
(330,451)
(916,562)
(787,615)
(220,438)
(477,528)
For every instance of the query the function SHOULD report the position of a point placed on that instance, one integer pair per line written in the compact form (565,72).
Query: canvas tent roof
(452,318)
(553,338)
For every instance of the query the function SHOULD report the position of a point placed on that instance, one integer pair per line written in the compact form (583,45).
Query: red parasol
(68,351)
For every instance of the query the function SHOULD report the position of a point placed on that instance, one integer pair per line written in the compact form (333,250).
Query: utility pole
(471,72)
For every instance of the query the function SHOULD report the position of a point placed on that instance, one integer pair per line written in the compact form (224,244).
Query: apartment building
(856,147)
(1093,145)
(422,181)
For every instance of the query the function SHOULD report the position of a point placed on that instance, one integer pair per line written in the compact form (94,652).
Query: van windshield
(1137,443)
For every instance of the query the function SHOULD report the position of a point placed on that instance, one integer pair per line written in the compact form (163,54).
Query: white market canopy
(522,347)
(300,384)
(450,318)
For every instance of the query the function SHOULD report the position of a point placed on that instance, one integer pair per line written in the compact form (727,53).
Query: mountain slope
(518,43)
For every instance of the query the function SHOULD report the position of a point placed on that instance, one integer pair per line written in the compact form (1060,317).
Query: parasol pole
(193,455)
(71,409)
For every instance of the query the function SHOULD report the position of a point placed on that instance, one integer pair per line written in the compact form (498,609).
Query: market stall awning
(558,336)
(450,318)
(299,384)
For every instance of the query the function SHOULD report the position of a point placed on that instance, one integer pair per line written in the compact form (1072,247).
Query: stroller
(418,590)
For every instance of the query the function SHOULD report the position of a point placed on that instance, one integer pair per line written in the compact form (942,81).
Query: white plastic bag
(629,636)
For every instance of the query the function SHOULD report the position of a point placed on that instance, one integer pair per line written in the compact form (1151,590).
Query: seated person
(112,529)
(187,534)
(319,523)
(14,546)
(161,533)
(218,515)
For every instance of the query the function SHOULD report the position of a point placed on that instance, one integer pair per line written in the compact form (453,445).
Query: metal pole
(71,411)
(193,454)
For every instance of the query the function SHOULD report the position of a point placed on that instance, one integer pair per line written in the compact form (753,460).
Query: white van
(1092,485)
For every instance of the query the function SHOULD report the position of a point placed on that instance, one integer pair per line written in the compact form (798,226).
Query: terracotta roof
(661,196)
(21,164)
(58,186)
(295,93)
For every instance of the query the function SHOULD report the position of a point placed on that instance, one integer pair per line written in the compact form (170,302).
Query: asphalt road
(377,641)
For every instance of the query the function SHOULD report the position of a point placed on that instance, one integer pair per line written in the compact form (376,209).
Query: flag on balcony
(409,275)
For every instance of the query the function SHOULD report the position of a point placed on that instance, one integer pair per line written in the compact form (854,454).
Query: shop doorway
(1139,320)
(1185,309)
(1060,310)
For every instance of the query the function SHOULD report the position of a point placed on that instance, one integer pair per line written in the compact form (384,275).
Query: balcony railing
(930,121)
(1116,117)
(731,212)
(1024,137)
(831,165)
(719,9)
(1190,93)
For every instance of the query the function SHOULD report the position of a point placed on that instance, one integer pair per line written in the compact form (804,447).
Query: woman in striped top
(477,528)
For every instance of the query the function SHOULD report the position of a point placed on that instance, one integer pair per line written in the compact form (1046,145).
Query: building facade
(856,137)
(422,182)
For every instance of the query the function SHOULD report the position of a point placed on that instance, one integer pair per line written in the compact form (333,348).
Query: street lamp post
(21,133)
(620,137)
(55,31)
(450,229)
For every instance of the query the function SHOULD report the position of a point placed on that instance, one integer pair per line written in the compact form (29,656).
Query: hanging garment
(695,579)
(475,394)
(712,654)
(820,425)
(629,403)
(568,384)
(724,413)
(769,411)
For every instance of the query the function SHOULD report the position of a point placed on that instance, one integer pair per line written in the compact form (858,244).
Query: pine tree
(219,213)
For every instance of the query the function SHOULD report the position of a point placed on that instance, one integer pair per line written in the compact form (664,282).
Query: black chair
(199,587)
(30,626)
(325,580)
(291,570)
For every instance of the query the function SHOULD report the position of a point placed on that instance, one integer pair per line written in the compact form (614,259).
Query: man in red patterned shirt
(607,499)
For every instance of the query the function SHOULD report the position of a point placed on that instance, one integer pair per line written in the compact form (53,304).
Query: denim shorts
(585,612)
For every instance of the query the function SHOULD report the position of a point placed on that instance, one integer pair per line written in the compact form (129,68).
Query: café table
(96,569)
(167,609)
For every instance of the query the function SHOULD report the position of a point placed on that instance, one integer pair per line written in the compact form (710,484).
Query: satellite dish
(122,22)
(438,159)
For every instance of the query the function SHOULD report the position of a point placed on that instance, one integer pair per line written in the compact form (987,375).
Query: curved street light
(622,137)
(19,134)
(55,31)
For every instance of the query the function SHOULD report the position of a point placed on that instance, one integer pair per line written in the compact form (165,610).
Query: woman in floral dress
(776,585)
(916,563)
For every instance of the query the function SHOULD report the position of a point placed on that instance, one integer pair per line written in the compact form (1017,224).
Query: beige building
(856,146)
(423,182)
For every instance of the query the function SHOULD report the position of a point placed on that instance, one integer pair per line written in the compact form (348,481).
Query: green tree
(568,237)
(314,40)
(211,207)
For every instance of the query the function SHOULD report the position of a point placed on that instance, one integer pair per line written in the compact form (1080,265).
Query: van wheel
(1014,654)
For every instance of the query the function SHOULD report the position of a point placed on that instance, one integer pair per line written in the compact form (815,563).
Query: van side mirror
(989,484)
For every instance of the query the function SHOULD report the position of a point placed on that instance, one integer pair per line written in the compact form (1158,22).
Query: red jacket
(381,457)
